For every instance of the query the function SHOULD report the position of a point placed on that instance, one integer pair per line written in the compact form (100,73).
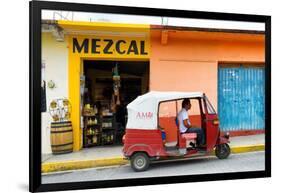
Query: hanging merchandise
(116,79)
(116,85)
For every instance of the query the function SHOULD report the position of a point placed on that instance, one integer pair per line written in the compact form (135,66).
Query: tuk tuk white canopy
(143,111)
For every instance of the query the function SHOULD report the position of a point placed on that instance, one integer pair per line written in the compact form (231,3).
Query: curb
(247,148)
(82,164)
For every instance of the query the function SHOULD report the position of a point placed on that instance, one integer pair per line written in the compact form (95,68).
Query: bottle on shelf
(95,139)
(95,122)
(95,110)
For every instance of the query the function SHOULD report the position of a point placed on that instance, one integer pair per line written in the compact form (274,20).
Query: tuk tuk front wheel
(140,162)
(222,151)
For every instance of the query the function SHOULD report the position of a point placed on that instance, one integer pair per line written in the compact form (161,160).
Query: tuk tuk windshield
(210,108)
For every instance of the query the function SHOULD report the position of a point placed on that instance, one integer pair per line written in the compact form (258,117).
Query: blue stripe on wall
(241,98)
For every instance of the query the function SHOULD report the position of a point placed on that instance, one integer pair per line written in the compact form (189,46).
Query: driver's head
(186,104)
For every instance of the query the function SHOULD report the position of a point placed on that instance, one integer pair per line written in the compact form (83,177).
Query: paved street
(235,163)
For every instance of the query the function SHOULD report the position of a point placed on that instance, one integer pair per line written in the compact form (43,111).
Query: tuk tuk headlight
(226,135)
(216,122)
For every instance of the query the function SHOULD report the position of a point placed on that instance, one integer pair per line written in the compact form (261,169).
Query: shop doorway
(109,86)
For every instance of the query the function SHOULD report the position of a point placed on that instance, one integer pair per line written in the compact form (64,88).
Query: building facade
(227,65)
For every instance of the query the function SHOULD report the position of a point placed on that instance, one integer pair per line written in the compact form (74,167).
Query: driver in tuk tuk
(185,125)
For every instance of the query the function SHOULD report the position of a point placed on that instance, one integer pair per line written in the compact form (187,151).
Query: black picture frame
(35,8)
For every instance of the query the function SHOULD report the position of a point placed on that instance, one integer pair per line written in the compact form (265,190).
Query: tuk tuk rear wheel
(140,162)
(222,151)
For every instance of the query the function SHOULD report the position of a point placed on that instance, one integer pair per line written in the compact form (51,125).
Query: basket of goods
(88,110)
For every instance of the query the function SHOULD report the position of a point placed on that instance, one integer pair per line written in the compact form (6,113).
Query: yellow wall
(76,58)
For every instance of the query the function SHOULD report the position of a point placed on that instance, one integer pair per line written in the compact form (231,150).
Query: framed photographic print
(126,96)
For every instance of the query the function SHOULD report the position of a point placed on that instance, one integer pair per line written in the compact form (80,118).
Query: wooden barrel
(61,137)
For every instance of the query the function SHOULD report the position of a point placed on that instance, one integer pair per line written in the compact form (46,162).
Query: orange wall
(189,60)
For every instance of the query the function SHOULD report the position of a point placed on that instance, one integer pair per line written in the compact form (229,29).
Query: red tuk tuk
(146,131)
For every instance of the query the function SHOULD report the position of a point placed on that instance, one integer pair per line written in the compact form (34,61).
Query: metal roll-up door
(241,97)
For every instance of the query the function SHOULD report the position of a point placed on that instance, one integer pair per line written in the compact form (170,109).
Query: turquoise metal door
(241,98)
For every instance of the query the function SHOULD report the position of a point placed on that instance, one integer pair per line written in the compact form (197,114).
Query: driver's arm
(186,124)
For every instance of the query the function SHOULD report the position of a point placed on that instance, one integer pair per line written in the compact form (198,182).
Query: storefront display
(109,87)
(108,129)
(99,128)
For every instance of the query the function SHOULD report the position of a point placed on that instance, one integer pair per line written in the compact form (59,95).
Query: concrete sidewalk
(112,155)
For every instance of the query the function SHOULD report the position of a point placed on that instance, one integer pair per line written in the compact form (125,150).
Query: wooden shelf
(108,128)
(90,115)
(92,145)
(104,133)
(93,134)
(95,125)
(88,138)
(107,116)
